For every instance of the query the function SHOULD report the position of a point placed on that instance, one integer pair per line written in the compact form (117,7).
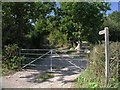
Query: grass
(94,75)
(85,80)
(44,77)
(88,79)
(6,72)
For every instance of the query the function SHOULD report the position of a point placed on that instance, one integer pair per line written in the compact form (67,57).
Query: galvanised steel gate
(51,58)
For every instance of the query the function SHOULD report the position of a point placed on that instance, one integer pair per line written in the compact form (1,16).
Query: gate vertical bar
(51,60)
(107,72)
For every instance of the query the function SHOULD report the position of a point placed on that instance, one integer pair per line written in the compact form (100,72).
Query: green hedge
(10,57)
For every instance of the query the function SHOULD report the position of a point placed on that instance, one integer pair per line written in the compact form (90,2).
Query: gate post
(19,54)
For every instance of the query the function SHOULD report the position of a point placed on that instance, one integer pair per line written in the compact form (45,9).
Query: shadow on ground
(63,69)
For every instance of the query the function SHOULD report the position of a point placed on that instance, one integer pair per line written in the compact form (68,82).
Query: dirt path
(65,72)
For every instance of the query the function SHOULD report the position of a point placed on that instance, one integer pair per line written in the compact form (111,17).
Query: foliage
(94,75)
(113,22)
(10,58)
(6,72)
(76,22)
(57,38)
(31,22)
(81,20)
(85,80)
(18,20)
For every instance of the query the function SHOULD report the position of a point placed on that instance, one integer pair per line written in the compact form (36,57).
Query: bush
(58,39)
(95,73)
(11,59)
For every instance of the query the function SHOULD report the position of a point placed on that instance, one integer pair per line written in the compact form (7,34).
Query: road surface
(65,71)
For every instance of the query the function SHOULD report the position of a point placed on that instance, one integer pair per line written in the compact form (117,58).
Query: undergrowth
(94,75)
(11,61)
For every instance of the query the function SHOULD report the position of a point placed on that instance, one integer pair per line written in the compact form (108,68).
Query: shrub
(95,73)
(11,59)
(58,39)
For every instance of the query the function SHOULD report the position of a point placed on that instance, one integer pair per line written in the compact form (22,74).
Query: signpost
(107,72)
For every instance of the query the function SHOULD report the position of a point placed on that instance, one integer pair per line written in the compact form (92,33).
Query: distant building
(119,6)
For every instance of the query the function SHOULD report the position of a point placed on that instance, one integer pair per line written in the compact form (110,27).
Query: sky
(113,6)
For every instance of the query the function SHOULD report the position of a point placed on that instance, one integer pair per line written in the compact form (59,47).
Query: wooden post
(107,68)
(107,72)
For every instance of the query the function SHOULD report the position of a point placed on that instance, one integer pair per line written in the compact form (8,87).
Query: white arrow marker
(101,32)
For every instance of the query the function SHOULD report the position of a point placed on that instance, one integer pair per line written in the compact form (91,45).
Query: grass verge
(6,72)
(94,75)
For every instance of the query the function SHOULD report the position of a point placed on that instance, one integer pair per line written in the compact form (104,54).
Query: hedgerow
(94,75)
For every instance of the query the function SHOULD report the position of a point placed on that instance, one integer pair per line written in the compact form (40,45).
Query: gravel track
(66,70)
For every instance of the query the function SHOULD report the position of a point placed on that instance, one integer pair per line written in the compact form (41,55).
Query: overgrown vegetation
(94,75)
(11,59)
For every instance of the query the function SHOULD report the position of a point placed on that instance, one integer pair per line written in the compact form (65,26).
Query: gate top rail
(36,49)
(67,50)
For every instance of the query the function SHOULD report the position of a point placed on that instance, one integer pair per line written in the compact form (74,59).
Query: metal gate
(51,59)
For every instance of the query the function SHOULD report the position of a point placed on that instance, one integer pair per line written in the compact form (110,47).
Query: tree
(51,27)
(29,24)
(18,20)
(82,20)
(113,22)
